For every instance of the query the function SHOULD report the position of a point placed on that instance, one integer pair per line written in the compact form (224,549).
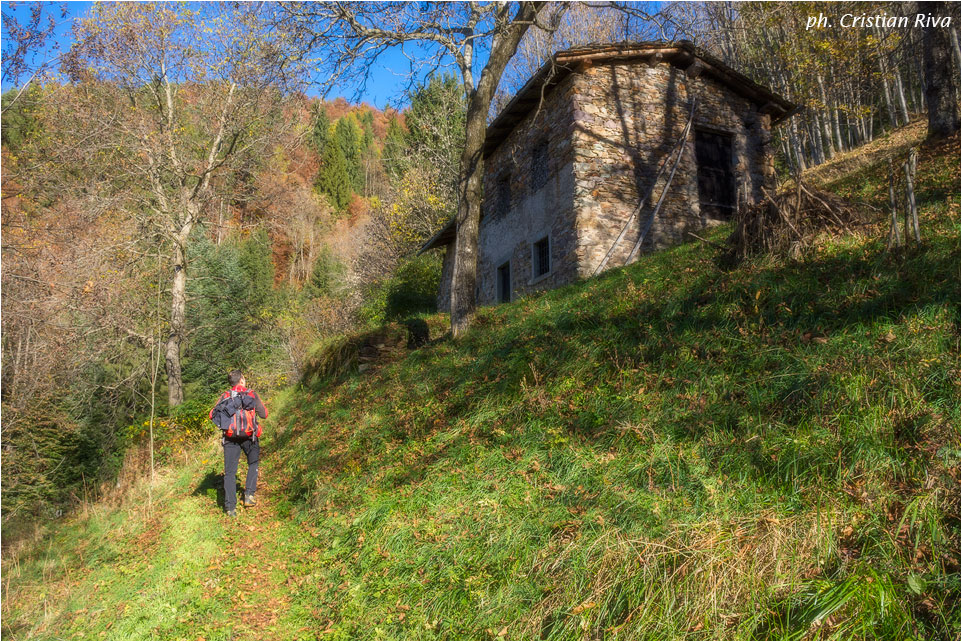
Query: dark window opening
(502,197)
(716,176)
(539,165)
(541,257)
(504,283)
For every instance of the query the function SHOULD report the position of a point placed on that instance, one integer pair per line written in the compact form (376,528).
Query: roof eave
(443,237)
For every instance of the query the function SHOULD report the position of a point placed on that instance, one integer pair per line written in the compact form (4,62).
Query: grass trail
(173,568)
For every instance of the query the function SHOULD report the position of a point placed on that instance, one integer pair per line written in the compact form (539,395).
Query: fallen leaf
(583,607)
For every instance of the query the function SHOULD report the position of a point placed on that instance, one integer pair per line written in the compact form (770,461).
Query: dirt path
(243,578)
(177,568)
(258,580)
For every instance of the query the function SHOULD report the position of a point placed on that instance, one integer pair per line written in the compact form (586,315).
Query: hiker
(236,415)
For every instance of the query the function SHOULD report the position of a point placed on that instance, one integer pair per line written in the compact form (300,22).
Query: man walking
(236,415)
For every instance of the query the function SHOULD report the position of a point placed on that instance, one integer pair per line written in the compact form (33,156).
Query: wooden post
(910,166)
(895,237)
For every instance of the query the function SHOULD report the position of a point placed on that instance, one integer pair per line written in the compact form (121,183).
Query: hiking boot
(249,500)
(232,513)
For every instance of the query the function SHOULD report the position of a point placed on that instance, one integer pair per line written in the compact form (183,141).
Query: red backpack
(235,415)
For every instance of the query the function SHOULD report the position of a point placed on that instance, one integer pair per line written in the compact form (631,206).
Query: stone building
(609,151)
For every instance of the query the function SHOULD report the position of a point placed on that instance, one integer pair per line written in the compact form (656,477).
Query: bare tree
(28,46)
(349,37)
(169,101)
(579,24)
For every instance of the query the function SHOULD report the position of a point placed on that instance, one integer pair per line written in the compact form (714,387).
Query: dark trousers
(232,451)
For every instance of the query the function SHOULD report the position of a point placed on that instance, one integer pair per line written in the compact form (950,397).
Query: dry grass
(721,568)
(890,145)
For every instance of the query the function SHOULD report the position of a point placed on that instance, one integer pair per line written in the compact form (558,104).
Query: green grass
(164,564)
(673,450)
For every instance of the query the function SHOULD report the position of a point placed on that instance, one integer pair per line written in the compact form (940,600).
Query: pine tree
(367,124)
(347,138)
(227,302)
(321,130)
(333,179)
(395,149)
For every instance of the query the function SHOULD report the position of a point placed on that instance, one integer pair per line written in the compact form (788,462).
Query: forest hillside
(679,448)
(313,238)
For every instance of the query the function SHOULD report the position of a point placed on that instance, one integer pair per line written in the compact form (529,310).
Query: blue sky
(61,36)
(385,86)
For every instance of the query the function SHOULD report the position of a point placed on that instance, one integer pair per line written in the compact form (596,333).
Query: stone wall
(534,212)
(628,117)
(608,128)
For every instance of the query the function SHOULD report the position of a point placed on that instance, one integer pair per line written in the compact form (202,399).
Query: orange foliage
(357,208)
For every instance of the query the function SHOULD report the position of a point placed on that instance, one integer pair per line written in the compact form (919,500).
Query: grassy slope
(671,450)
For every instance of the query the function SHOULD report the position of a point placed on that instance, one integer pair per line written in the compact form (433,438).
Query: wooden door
(716,176)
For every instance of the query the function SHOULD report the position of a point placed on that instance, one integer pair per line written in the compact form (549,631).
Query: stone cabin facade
(578,161)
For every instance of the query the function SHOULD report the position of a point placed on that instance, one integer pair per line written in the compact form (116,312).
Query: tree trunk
(220,222)
(886,87)
(954,35)
(900,93)
(889,104)
(811,134)
(895,237)
(816,127)
(911,207)
(855,122)
(786,150)
(465,277)
(825,119)
(178,311)
(797,146)
(919,73)
(941,74)
(837,125)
